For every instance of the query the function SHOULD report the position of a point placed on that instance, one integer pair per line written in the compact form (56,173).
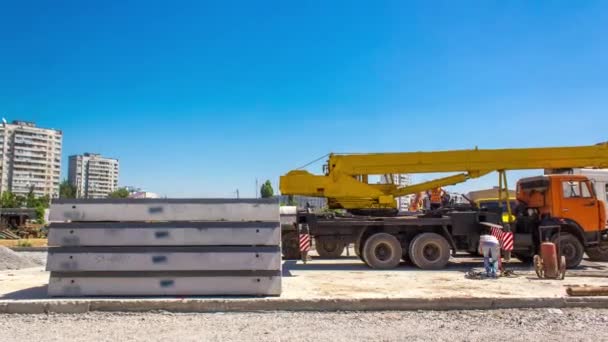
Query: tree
(19,201)
(291,201)
(40,211)
(30,200)
(119,193)
(44,201)
(67,190)
(8,200)
(266,190)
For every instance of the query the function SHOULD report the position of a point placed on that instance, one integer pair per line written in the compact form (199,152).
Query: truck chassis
(427,241)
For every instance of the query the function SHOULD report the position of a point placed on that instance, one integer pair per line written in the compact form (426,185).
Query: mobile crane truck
(382,239)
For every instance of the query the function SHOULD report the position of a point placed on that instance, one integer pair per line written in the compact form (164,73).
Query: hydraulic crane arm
(345,182)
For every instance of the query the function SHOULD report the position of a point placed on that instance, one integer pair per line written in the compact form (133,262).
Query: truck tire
(382,251)
(358,250)
(571,248)
(329,248)
(430,251)
(290,246)
(598,253)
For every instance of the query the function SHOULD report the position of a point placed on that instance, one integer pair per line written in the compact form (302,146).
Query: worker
(445,199)
(435,195)
(417,202)
(489,247)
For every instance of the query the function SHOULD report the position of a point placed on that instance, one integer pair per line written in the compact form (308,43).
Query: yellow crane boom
(345,182)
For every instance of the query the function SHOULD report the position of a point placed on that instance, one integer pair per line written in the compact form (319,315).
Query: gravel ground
(37,257)
(10,260)
(497,325)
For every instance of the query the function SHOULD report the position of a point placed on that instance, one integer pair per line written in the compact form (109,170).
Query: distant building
(132,189)
(92,175)
(401,180)
(136,192)
(143,194)
(30,159)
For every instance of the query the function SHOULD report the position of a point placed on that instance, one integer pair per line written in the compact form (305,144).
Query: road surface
(493,325)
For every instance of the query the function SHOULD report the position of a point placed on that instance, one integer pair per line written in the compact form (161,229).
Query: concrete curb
(263,304)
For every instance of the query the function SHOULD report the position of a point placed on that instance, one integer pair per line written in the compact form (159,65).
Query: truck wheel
(358,250)
(382,251)
(329,248)
(598,253)
(571,248)
(430,251)
(290,246)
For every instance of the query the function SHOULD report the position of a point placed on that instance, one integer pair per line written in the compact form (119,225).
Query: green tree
(19,201)
(266,190)
(40,214)
(30,200)
(119,193)
(67,190)
(44,201)
(8,200)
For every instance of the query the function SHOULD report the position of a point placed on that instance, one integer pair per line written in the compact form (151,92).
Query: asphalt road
(494,325)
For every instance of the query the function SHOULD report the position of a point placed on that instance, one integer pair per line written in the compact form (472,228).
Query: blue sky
(200,98)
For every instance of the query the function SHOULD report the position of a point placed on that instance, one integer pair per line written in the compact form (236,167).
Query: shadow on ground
(354,264)
(38,292)
(350,264)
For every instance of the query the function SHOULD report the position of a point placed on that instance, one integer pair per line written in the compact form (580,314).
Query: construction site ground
(341,284)
(24,242)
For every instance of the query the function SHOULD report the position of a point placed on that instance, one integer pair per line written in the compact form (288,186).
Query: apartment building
(92,175)
(30,159)
(400,180)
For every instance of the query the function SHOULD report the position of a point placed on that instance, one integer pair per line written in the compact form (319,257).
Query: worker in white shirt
(489,247)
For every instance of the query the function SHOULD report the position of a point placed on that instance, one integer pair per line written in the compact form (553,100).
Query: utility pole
(237,193)
(257,189)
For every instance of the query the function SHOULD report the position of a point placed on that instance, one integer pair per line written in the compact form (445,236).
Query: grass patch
(24,243)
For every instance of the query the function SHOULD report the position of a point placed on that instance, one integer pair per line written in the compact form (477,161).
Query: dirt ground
(28,242)
(348,277)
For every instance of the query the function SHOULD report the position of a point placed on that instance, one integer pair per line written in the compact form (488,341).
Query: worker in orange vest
(416,202)
(435,195)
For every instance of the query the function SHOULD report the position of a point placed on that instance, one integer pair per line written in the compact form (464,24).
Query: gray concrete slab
(164,233)
(165,210)
(163,258)
(163,286)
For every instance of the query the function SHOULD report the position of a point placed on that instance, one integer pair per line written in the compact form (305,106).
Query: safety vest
(436,195)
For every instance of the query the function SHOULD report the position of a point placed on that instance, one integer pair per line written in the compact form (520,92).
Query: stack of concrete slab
(178,247)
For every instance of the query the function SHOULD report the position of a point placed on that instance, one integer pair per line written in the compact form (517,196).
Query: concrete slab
(176,258)
(164,210)
(69,285)
(164,233)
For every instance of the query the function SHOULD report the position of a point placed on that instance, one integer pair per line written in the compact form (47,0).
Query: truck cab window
(585,191)
(571,189)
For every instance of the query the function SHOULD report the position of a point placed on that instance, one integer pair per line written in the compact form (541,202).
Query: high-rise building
(30,159)
(400,180)
(92,175)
